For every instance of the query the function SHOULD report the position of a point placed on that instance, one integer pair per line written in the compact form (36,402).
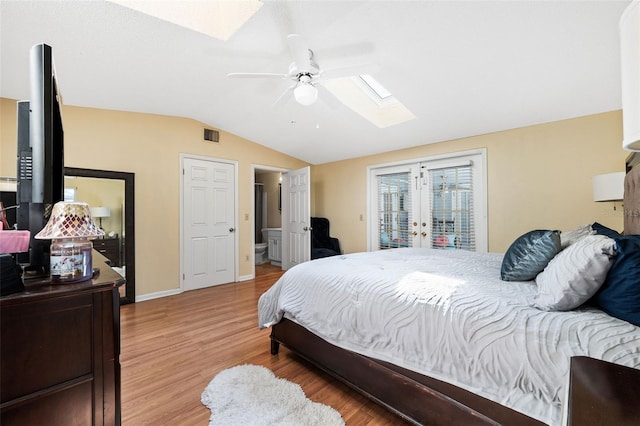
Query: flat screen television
(40,156)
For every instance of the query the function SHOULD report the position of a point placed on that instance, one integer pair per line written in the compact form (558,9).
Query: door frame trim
(234,163)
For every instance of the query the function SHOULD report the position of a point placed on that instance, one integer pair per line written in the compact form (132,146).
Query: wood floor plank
(172,347)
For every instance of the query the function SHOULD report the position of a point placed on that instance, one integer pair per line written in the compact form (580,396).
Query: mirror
(111,198)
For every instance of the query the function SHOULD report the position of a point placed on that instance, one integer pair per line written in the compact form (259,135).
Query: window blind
(394,207)
(452,204)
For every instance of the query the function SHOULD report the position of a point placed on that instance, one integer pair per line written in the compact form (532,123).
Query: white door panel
(296,217)
(209,223)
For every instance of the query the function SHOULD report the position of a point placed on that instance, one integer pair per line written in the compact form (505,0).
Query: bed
(466,348)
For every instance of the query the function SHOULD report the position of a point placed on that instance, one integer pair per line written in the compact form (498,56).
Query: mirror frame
(129,226)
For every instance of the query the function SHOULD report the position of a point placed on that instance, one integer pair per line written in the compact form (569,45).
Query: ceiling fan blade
(300,52)
(284,98)
(256,75)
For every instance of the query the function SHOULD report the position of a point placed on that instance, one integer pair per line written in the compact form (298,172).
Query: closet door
(209,220)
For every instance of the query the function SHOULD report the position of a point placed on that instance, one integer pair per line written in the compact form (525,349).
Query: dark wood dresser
(109,248)
(59,352)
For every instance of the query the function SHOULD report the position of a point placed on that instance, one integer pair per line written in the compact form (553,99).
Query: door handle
(231,229)
(307,228)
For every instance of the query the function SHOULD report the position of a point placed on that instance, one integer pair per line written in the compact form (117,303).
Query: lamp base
(71,260)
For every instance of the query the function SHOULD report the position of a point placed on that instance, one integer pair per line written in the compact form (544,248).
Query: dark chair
(322,245)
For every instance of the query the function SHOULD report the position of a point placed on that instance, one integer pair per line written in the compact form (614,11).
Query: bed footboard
(416,398)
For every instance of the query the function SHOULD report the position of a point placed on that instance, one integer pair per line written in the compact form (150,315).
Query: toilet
(261,250)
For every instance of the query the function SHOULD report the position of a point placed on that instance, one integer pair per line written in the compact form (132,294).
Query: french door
(434,203)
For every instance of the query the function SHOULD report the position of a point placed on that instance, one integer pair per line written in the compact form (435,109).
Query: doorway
(267,218)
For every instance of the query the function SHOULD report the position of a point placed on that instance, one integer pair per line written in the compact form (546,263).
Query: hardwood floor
(172,347)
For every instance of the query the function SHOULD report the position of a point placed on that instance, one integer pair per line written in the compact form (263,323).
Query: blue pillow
(603,230)
(619,296)
(529,254)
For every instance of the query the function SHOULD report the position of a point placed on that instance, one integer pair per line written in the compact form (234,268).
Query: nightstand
(602,393)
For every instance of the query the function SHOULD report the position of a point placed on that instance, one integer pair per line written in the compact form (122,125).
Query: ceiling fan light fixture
(305,94)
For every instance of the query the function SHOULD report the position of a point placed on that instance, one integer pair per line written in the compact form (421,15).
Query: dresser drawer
(110,248)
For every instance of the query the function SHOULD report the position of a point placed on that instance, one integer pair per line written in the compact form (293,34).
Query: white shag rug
(253,395)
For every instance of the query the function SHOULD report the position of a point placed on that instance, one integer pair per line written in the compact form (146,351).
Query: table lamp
(69,230)
(100,212)
(609,187)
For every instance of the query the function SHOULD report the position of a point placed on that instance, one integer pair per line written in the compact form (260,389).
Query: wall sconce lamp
(609,187)
(630,75)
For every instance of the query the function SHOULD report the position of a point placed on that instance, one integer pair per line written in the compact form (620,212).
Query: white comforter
(448,315)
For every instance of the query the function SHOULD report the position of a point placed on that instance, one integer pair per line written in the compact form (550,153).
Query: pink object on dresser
(14,241)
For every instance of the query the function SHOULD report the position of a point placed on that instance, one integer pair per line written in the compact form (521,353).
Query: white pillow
(575,274)
(569,237)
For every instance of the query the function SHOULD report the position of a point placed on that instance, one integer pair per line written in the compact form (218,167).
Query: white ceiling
(463,68)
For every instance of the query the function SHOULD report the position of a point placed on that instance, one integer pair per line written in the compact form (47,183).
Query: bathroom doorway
(267,219)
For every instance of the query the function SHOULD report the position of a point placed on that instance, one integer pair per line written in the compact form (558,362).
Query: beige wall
(539,177)
(8,150)
(101,193)
(150,146)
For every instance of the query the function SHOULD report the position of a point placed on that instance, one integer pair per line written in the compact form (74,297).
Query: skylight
(375,86)
(366,96)
(216,18)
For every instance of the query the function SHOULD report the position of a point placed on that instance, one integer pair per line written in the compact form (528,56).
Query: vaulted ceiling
(462,68)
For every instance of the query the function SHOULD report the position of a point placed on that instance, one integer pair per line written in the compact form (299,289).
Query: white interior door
(209,239)
(296,217)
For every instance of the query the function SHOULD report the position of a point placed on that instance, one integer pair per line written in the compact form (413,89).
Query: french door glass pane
(451,196)
(394,205)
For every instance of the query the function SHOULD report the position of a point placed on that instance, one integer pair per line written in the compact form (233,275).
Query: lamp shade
(305,94)
(100,212)
(630,75)
(70,220)
(608,187)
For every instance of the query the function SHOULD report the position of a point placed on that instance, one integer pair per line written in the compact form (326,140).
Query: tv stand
(59,359)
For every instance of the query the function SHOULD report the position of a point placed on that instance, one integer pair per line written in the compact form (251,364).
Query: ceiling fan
(304,72)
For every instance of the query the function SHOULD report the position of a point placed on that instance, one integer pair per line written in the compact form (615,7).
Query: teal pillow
(603,230)
(529,254)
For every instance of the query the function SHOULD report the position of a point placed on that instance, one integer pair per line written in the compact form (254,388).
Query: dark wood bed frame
(423,400)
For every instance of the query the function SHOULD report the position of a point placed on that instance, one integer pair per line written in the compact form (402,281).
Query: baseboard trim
(157,295)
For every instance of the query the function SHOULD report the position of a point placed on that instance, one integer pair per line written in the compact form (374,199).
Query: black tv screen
(40,155)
